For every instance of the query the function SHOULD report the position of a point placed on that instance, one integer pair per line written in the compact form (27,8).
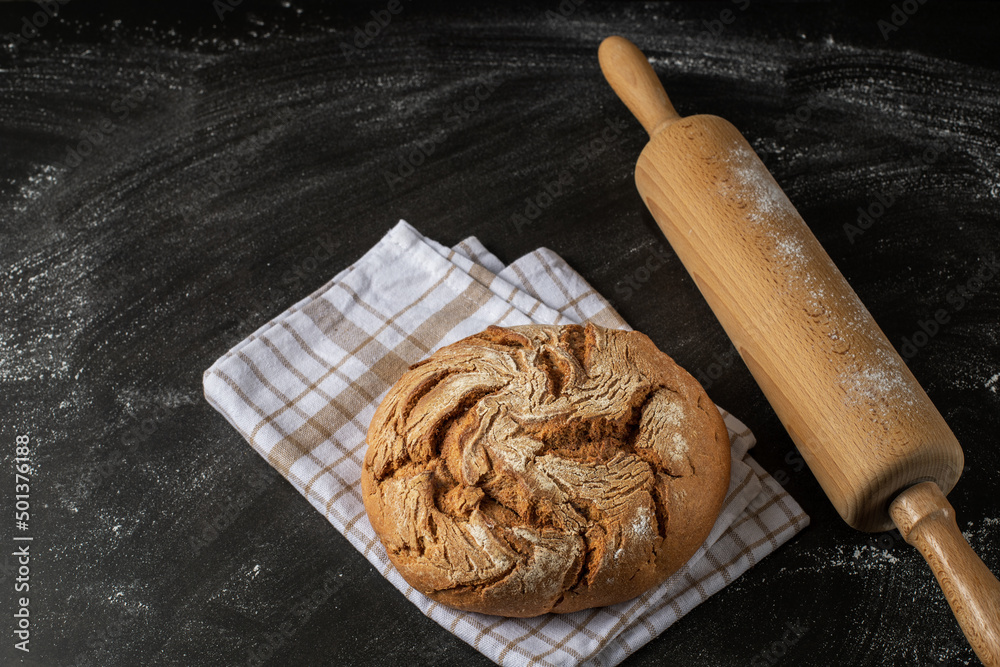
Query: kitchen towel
(303,388)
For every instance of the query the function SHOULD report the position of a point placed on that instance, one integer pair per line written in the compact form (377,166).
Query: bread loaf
(541,469)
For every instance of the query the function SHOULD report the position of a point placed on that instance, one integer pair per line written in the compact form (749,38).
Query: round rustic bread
(540,469)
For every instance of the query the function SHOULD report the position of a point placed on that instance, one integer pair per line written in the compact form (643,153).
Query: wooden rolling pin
(869,432)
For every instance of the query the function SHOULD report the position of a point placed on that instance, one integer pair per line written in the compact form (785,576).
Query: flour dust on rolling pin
(835,318)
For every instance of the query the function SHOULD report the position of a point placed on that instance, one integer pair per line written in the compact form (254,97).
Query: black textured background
(241,161)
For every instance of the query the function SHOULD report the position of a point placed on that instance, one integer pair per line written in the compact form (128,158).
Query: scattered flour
(671,417)
(38,184)
(678,449)
(882,381)
(765,201)
(641,526)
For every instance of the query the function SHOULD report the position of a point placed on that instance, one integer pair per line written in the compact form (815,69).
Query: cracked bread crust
(541,468)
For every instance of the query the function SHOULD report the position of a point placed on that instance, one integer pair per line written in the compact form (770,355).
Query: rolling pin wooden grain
(878,446)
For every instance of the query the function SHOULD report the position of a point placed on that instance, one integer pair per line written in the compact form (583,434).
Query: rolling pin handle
(636,84)
(926,520)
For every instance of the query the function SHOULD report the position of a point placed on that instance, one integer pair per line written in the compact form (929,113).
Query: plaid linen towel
(303,388)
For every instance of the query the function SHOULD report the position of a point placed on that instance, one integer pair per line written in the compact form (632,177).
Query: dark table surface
(165,174)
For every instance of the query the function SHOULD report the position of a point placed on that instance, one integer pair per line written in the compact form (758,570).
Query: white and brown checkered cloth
(303,388)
